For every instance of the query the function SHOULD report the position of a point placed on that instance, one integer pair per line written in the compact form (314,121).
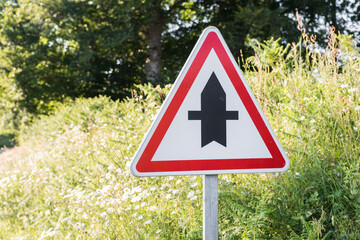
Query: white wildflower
(190,194)
(147,222)
(135,199)
(302,118)
(117,186)
(137,189)
(51,233)
(353,90)
(152,208)
(79,225)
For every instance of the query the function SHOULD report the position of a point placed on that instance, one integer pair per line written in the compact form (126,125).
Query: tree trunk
(153,61)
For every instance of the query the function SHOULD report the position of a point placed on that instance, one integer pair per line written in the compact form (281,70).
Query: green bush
(10,116)
(7,139)
(313,105)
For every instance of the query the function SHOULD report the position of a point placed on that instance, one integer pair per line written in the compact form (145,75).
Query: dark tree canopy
(54,49)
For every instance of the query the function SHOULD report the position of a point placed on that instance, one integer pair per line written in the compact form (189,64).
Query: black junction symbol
(213,114)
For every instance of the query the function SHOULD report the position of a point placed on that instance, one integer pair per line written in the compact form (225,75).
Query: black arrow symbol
(213,114)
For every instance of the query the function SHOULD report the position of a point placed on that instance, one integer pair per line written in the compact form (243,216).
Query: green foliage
(56,49)
(11,117)
(7,140)
(314,108)
(241,20)
(81,188)
(268,55)
(72,179)
(69,48)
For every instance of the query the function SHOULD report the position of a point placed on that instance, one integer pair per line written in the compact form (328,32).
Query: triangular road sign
(210,123)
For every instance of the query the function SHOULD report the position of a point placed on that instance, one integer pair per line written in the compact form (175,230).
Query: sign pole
(210,207)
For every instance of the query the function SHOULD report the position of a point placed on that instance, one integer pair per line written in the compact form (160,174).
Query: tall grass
(72,179)
(312,101)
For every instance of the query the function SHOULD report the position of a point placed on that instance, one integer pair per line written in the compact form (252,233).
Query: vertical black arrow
(213,114)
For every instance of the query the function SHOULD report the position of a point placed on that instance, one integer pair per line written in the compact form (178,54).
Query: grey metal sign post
(210,207)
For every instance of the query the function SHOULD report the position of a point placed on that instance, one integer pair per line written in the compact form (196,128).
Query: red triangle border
(145,165)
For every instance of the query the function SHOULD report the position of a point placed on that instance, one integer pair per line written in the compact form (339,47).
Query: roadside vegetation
(72,180)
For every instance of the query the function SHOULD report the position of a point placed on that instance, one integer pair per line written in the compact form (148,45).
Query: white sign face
(210,123)
(182,140)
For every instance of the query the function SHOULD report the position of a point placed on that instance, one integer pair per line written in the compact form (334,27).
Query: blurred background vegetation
(70,177)
(81,82)
(53,50)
